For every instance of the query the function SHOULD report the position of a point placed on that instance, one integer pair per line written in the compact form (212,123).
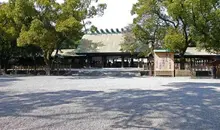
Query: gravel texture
(109,103)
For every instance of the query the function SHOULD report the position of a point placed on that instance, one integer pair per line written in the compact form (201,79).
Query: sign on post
(163,63)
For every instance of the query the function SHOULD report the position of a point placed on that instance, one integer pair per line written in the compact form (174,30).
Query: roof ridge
(107,31)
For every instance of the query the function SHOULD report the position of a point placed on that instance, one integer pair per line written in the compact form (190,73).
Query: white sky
(117,14)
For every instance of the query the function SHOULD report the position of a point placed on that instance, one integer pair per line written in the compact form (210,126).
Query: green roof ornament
(102,31)
(112,30)
(122,30)
(162,50)
(117,30)
(107,31)
(97,31)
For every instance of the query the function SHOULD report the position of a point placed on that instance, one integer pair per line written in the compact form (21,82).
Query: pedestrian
(214,72)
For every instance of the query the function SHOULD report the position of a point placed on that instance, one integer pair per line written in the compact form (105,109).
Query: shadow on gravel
(101,74)
(5,81)
(193,84)
(99,77)
(191,106)
(13,105)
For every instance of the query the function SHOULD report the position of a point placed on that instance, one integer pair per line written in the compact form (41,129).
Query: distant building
(101,50)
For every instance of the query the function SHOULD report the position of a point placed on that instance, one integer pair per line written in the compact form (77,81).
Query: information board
(164,63)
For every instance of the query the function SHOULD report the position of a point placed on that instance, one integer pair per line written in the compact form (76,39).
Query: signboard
(163,63)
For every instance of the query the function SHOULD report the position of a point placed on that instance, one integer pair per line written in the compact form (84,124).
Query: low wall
(179,73)
(164,73)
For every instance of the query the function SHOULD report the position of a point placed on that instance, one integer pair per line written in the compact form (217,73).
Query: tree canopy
(193,19)
(178,24)
(133,44)
(46,23)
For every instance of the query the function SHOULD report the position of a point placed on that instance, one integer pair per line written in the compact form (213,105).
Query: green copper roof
(101,43)
(162,50)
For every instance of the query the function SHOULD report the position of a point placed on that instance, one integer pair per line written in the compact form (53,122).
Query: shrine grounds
(107,103)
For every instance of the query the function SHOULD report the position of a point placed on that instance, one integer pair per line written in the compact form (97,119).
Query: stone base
(164,73)
(183,73)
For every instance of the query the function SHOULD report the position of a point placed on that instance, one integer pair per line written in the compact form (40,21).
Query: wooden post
(122,61)
(89,61)
(138,63)
(132,62)
(104,61)
(129,62)
(191,63)
(194,64)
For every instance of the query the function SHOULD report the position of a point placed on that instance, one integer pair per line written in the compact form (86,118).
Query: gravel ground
(107,103)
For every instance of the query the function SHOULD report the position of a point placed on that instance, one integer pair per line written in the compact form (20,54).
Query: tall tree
(134,44)
(57,23)
(12,15)
(165,16)
(205,23)
(186,21)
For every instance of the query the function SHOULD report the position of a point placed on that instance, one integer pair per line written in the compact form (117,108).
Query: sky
(117,14)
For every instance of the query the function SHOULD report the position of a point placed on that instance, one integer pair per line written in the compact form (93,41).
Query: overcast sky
(117,14)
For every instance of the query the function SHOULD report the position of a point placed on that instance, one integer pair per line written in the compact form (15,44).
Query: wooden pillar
(150,68)
(122,61)
(138,63)
(194,64)
(132,62)
(89,61)
(104,61)
(191,64)
(129,63)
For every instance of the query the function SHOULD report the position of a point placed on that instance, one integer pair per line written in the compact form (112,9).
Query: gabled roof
(111,43)
(66,53)
(101,43)
(193,51)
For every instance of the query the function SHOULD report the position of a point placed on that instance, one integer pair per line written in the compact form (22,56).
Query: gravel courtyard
(109,103)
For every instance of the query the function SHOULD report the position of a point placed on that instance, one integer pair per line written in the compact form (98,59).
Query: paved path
(107,103)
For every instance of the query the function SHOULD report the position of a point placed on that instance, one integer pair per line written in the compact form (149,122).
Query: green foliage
(11,15)
(45,23)
(94,29)
(174,40)
(197,21)
(206,17)
(129,43)
(133,45)
(37,34)
(156,17)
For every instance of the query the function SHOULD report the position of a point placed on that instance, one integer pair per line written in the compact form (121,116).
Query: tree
(156,17)
(174,40)
(12,15)
(205,24)
(132,44)
(54,24)
(186,21)
(31,53)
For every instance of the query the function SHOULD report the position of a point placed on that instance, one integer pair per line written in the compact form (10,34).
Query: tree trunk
(47,59)
(0,65)
(35,66)
(182,62)
(48,68)
(182,58)
(132,62)
(55,58)
(5,65)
